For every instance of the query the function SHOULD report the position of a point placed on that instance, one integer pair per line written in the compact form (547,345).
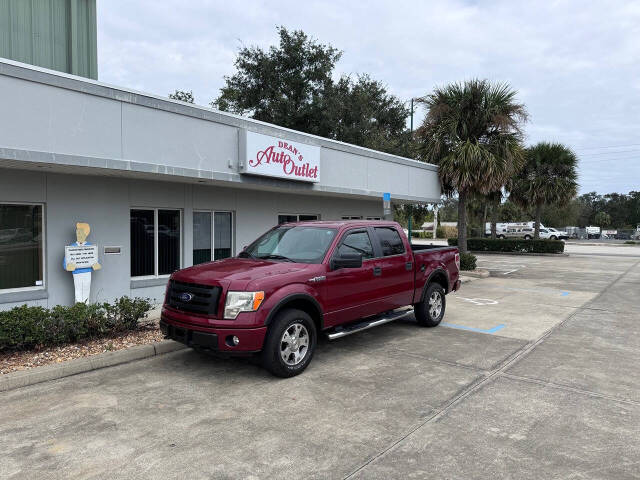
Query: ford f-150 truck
(299,280)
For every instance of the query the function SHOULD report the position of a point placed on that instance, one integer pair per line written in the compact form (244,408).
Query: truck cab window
(390,241)
(356,242)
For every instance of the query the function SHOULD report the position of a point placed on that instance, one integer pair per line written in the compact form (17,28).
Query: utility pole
(412,115)
(435,221)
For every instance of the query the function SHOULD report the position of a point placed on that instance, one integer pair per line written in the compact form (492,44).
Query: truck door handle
(377,271)
(408,265)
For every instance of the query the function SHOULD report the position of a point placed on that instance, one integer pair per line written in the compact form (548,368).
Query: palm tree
(549,177)
(494,198)
(472,131)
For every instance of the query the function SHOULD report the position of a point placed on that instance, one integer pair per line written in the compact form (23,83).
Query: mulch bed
(15,361)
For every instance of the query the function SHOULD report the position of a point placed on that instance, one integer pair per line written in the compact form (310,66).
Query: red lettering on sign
(270,155)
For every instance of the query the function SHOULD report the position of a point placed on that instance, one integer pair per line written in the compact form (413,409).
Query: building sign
(83,256)
(276,157)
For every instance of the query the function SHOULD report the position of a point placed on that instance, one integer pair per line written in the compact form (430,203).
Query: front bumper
(214,339)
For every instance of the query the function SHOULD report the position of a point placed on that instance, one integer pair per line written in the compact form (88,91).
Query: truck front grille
(193,297)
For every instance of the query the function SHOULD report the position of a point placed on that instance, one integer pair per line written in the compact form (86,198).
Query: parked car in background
(623,235)
(519,232)
(593,232)
(554,234)
(503,227)
(302,279)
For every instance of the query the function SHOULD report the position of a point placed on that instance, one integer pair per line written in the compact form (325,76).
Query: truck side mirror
(346,260)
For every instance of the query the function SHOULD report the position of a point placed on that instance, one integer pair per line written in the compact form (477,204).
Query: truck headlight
(237,302)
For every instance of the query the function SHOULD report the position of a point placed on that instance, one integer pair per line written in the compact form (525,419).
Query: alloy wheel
(294,344)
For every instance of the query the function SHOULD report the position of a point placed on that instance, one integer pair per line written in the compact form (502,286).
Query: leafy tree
(549,177)
(473,132)
(602,219)
(182,95)
(493,198)
(511,212)
(288,85)
(292,85)
(363,113)
(561,215)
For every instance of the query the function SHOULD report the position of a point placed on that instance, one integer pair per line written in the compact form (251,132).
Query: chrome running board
(343,331)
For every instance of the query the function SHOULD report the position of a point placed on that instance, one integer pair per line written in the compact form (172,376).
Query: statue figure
(82,268)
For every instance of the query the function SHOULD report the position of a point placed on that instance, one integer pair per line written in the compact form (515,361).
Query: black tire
(272,351)
(527,237)
(424,313)
(501,237)
(553,237)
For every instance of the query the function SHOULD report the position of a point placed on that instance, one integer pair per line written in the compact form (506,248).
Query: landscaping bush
(630,242)
(468,261)
(24,327)
(422,234)
(512,245)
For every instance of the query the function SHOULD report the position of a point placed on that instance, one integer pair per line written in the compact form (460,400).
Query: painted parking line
(479,301)
(473,329)
(549,291)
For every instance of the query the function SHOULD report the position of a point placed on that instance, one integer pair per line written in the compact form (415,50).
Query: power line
(607,159)
(608,153)
(609,146)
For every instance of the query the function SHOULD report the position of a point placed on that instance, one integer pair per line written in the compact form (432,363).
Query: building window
(155,242)
(296,217)
(374,218)
(212,236)
(21,246)
(352,217)
(390,240)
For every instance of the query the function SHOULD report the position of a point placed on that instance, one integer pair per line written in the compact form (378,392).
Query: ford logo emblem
(186,297)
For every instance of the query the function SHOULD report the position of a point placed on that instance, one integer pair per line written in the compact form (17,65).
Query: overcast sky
(575,64)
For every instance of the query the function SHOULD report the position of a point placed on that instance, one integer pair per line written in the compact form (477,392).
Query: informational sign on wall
(386,203)
(276,157)
(83,256)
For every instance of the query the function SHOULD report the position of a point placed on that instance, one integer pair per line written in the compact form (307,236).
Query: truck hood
(236,270)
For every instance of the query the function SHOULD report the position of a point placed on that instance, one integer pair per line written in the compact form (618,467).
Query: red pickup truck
(301,279)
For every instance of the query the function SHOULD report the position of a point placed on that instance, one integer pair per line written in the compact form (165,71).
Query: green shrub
(24,327)
(630,242)
(512,245)
(467,261)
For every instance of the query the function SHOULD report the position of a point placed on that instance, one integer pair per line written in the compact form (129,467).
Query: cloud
(575,64)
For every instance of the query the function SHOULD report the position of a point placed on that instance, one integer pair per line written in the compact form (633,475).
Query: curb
(477,273)
(528,254)
(11,381)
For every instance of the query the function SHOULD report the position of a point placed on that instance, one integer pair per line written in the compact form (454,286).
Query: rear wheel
(430,310)
(501,237)
(527,237)
(290,343)
(553,237)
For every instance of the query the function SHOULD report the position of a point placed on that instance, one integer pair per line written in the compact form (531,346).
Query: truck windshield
(299,244)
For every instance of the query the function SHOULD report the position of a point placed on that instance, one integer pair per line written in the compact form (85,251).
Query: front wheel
(290,343)
(553,237)
(430,310)
(527,237)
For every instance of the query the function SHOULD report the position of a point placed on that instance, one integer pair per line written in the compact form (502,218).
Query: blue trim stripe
(473,329)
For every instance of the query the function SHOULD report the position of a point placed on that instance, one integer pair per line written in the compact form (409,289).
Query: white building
(163,184)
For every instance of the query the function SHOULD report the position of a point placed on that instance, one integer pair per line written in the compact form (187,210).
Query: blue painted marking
(473,329)
(564,294)
(386,196)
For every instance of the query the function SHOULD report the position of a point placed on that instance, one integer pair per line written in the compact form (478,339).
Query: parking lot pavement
(554,393)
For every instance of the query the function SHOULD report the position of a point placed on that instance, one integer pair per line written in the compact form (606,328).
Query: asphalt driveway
(554,392)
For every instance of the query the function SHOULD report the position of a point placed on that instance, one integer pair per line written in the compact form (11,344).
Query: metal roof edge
(93,87)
